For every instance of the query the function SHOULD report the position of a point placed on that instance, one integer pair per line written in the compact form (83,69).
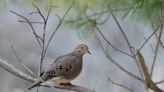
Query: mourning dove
(65,68)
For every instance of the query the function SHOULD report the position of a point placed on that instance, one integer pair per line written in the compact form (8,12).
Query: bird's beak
(89,52)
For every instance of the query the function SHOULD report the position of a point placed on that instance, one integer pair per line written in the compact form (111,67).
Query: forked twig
(121,30)
(103,36)
(114,62)
(158,42)
(127,41)
(10,68)
(38,38)
(60,22)
(20,61)
(147,39)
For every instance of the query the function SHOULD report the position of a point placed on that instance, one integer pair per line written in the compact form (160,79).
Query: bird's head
(82,49)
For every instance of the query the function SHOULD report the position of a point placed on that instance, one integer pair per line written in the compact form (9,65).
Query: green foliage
(82,25)
(137,10)
(147,11)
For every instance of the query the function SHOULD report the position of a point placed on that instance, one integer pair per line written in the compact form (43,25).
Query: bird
(65,68)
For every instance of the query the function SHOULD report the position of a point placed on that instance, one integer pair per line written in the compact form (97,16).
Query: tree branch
(106,40)
(11,69)
(38,38)
(148,81)
(127,40)
(114,62)
(120,85)
(158,42)
(68,87)
(60,22)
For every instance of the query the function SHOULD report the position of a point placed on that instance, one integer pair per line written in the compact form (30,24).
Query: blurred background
(75,29)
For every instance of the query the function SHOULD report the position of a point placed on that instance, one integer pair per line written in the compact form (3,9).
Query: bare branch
(127,41)
(68,87)
(20,61)
(38,38)
(58,17)
(121,30)
(111,43)
(143,65)
(123,69)
(155,29)
(159,82)
(158,42)
(148,81)
(43,37)
(48,14)
(108,42)
(120,85)
(114,62)
(8,67)
(30,22)
(31,13)
(40,13)
(147,39)
(60,22)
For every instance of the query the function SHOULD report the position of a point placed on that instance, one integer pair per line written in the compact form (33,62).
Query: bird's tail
(34,85)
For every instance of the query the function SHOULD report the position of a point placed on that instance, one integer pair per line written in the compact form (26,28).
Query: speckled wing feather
(68,66)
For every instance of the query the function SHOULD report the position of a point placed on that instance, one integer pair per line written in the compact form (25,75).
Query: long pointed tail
(34,85)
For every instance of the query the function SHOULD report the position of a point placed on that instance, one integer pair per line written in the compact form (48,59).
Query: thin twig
(159,82)
(160,42)
(120,85)
(121,30)
(45,19)
(40,13)
(30,22)
(123,69)
(147,39)
(108,42)
(127,41)
(10,68)
(158,26)
(49,11)
(31,13)
(114,62)
(157,45)
(111,43)
(20,61)
(45,47)
(38,38)
(60,22)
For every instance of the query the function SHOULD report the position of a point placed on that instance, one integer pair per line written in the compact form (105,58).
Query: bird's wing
(61,65)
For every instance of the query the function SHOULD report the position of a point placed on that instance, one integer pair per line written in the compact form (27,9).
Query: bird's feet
(66,83)
(61,81)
